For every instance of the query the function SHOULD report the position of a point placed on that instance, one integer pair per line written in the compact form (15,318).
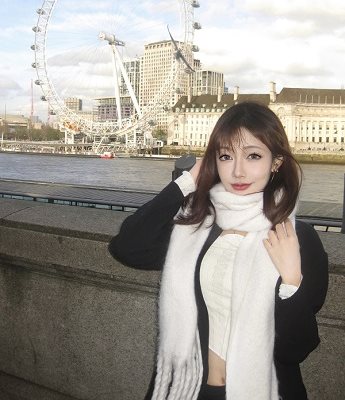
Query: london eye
(93,53)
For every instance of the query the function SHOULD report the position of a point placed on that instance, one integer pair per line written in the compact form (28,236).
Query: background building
(207,82)
(313,118)
(74,104)
(11,121)
(158,63)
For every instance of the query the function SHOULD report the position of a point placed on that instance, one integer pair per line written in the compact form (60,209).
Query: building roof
(161,42)
(287,95)
(227,100)
(312,96)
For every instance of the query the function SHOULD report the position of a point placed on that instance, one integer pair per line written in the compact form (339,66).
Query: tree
(160,134)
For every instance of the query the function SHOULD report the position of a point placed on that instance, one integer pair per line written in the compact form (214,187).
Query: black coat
(143,242)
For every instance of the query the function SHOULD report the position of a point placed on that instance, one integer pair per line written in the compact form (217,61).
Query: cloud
(9,86)
(325,15)
(295,43)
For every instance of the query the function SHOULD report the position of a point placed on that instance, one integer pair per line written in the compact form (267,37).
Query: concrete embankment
(314,157)
(319,158)
(75,324)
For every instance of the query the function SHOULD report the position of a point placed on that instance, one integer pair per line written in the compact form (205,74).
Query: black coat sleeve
(144,236)
(295,321)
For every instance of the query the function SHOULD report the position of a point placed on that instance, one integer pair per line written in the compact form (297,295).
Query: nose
(238,170)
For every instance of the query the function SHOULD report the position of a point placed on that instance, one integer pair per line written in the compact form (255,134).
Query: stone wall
(75,324)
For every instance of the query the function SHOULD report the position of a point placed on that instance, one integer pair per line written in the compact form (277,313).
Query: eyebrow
(243,148)
(252,147)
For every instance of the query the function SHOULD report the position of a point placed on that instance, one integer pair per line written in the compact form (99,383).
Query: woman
(241,281)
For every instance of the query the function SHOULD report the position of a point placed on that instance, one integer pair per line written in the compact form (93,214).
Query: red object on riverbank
(107,155)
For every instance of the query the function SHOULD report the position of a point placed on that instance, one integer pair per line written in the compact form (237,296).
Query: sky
(295,43)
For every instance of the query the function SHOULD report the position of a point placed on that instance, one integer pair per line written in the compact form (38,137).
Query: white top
(216,285)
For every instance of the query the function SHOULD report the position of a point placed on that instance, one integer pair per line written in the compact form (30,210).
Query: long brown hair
(280,193)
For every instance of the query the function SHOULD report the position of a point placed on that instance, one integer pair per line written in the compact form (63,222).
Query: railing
(117,200)
(325,224)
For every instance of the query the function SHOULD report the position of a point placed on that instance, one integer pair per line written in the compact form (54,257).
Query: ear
(276,163)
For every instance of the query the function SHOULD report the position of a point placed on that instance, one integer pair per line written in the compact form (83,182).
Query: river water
(321,183)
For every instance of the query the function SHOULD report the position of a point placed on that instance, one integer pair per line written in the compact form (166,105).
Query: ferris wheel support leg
(128,83)
(117,89)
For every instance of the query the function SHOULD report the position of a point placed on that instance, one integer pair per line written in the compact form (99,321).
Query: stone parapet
(76,324)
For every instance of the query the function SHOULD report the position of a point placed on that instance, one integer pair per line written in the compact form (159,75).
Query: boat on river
(107,155)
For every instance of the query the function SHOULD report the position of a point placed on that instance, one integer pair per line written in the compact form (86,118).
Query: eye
(225,157)
(254,156)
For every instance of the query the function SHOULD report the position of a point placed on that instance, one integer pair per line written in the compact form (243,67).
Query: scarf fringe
(180,381)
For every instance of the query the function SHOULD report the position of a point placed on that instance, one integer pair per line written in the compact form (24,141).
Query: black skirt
(208,392)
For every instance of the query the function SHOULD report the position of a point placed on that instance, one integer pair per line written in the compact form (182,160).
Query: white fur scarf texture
(250,370)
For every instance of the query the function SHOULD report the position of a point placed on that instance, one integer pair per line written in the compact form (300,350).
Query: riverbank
(170,153)
(318,158)
(307,157)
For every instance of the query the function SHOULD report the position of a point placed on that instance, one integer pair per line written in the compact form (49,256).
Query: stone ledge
(100,225)
(14,388)
(78,322)
(95,224)
(114,281)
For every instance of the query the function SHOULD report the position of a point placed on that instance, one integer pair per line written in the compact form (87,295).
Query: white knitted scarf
(250,371)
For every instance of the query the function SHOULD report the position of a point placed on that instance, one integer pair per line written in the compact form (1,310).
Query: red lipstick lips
(240,186)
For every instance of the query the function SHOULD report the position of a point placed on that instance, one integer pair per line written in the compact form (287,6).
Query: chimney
(219,94)
(273,93)
(236,93)
(189,97)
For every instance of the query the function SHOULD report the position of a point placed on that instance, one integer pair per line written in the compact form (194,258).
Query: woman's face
(246,168)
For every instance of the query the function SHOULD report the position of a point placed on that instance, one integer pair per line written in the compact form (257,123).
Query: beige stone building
(313,118)
(74,104)
(158,65)
(12,121)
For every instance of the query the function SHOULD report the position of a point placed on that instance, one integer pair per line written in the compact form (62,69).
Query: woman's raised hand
(283,247)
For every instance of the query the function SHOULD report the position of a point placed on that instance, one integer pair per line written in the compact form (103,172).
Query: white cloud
(9,87)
